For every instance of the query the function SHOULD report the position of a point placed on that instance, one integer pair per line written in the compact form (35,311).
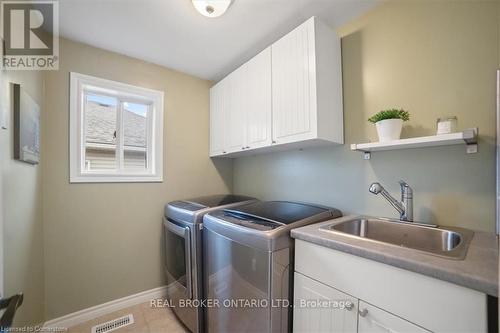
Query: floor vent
(113,324)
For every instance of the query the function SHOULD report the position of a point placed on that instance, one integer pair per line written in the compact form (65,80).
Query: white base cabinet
(315,309)
(320,308)
(385,298)
(288,96)
(375,320)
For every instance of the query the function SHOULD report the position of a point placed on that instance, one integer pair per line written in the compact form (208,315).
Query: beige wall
(21,209)
(102,241)
(434,58)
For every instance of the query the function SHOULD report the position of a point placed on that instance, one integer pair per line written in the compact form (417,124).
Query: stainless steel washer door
(178,259)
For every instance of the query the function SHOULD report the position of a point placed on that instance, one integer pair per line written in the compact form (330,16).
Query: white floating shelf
(468,137)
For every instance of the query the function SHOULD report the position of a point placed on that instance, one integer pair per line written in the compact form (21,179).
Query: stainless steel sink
(444,242)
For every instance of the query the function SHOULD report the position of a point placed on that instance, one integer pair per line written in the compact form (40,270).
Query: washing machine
(248,264)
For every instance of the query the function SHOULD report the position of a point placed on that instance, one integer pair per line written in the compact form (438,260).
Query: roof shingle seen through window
(101,126)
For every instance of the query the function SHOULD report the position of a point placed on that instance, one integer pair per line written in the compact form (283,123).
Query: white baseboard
(84,315)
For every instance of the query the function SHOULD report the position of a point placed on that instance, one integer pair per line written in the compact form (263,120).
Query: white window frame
(81,84)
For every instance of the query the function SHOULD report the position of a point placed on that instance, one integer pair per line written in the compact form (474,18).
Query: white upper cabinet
(240,108)
(235,114)
(288,96)
(294,105)
(218,100)
(258,106)
(307,85)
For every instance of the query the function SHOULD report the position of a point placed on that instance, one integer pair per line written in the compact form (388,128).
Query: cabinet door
(235,115)
(315,311)
(218,103)
(259,103)
(294,85)
(375,320)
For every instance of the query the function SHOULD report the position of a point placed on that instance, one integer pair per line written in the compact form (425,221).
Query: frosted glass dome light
(211,8)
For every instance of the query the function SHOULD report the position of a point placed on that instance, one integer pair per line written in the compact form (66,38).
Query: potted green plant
(389,123)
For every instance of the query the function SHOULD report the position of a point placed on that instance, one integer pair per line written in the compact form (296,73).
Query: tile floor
(146,320)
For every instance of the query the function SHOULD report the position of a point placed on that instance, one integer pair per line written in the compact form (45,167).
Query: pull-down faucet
(405,207)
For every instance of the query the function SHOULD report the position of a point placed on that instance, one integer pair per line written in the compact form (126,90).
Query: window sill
(116,179)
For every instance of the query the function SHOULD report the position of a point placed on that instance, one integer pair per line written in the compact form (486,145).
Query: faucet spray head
(375,188)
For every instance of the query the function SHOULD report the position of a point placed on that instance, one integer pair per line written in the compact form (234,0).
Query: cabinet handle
(242,148)
(363,313)
(274,141)
(349,306)
(247,147)
(223,152)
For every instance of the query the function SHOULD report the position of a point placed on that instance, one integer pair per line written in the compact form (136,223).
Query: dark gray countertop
(478,271)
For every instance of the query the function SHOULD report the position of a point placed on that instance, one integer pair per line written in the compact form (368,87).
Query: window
(116,132)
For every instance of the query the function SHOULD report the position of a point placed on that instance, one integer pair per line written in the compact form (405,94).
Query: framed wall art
(26,126)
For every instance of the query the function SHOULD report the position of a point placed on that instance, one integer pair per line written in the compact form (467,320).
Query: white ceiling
(172,34)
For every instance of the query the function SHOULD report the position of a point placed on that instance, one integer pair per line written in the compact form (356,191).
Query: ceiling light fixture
(211,8)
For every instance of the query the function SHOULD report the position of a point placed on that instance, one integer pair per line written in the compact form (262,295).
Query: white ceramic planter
(389,129)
